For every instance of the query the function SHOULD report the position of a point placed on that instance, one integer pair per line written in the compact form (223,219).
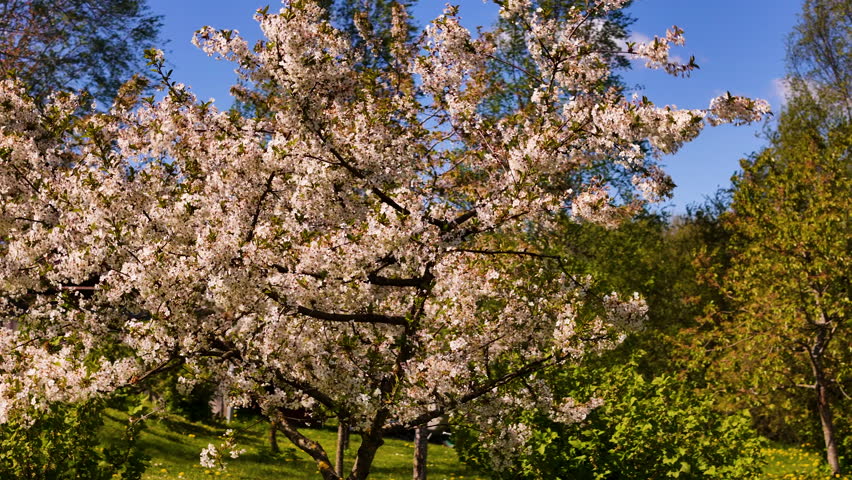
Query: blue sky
(739,46)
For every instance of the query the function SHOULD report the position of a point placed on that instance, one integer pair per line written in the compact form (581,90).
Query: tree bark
(310,447)
(827,422)
(342,445)
(371,439)
(823,402)
(273,437)
(421,447)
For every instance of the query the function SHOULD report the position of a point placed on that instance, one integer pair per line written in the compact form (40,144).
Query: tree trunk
(827,422)
(421,447)
(371,439)
(342,445)
(312,448)
(823,406)
(273,437)
(366,454)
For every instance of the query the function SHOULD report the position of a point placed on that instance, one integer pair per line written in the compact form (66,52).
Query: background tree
(820,53)
(81,44)
(789,275)
(782,345)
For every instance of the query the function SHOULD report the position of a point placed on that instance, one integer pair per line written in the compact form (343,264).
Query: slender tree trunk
(342,445)
(273,437)
(827,422)
(823,404)
(421,447)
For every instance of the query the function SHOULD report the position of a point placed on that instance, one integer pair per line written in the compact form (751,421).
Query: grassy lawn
(174,446)
(803,462)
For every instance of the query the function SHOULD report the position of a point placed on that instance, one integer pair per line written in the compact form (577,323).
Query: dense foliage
(642,428)
(66,443)
(781,335)
(789,275)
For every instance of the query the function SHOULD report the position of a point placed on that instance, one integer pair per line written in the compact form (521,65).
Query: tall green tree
(83,44)
(789,275)
(785,323)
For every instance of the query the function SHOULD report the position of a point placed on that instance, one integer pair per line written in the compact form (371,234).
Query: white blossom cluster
(570,411)
(501,430)
(335,253)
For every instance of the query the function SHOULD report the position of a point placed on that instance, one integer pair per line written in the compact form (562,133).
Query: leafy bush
(64,444)
(657,428)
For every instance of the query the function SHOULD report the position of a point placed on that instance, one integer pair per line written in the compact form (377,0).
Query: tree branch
(312,448)
(418,282)
(267,189)
(353,317)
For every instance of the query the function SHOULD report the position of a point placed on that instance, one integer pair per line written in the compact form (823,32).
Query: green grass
(804,462)
(174,445)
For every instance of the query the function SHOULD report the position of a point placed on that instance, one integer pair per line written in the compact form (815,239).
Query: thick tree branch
(373,318)
(417,282)
(312,448)
(352,317)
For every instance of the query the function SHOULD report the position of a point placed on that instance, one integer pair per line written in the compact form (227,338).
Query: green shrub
(657,428)
(65,444)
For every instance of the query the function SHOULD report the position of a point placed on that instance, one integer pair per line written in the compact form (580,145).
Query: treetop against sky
(739,45)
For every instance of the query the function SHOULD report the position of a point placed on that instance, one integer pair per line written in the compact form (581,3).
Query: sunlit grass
(174,445)
(803,462)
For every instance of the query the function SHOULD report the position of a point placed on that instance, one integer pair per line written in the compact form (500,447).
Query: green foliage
(65,444)
(788,280)
(646,428)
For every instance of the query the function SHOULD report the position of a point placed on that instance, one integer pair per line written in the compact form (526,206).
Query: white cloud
(639,37)
(780,89)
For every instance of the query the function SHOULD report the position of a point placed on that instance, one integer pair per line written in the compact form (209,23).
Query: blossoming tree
(334,252)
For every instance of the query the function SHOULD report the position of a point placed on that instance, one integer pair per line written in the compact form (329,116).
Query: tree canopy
(788,276)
